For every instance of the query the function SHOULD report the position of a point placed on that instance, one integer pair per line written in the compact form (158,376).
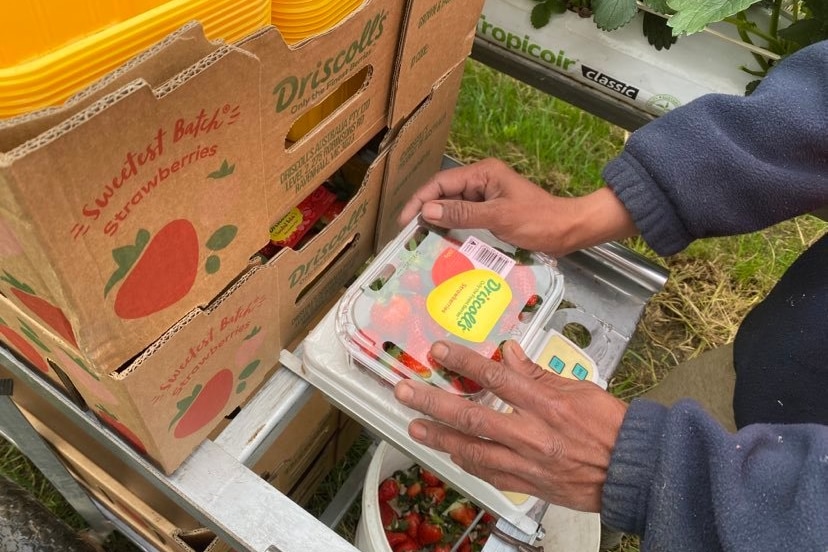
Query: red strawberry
(430,479)
(388,489)
(422,323)
(409,545)
(156,273)
(442,547)
(44,310)
(463,513)
(23,346)
(436,494)
(415,365)
(414,489)
(395,538)
(464,384)
(204,403)
(391,317)
(497,355)
(413,521)
(448,263)
(465,546)
(387,514)
(412,281)
(407,360)
(429,533)
(523,282)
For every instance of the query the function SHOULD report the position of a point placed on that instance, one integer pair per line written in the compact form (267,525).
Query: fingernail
(417,431)
(439,350)
(432,211)
(403,392)
(515,350)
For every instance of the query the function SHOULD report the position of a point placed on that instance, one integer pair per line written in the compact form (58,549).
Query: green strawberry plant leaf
(751,86)
(82,364)
(542,12)
(222,237)
(212,264)
(126,257)
(241,387)
(658,33)
(184,404)
(226,169)
(808,31)
(28,332)
(660,6)
(613,14)
(14,282)
(249,369)
(693,16)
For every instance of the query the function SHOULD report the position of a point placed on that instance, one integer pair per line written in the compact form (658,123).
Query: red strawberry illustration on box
(159,271)
(48,313)
(23,346)
(119,427)
(207,401)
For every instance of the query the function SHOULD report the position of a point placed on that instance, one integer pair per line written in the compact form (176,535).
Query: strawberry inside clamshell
(433,284)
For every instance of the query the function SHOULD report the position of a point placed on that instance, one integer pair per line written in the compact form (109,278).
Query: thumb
(458,214)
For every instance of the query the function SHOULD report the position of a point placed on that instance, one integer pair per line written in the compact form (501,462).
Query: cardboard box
(416,152)
(354,62)
(436,36)
(621,63)
(109,249)
(170,397)
(156,65)
(295,464)
(138,208)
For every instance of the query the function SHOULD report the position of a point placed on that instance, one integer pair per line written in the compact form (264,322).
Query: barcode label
(483,255)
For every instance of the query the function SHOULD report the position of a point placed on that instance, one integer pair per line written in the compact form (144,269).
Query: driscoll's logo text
(294,88)
(609,82)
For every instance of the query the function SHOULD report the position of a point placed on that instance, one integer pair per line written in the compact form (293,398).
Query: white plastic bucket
(566,530)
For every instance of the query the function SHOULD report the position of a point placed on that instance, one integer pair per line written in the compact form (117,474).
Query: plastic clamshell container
(432,284)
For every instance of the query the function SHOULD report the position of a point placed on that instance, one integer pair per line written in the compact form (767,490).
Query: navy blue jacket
(724,165)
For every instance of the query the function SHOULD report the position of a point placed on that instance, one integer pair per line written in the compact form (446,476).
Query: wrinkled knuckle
(461,212)
(475,454)
(427,403)
(469,421)
(494,379)
(550,447)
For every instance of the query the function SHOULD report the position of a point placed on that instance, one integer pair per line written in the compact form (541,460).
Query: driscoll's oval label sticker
(470,304)
(283,229)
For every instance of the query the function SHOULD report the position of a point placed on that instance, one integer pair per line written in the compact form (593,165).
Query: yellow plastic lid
(32,29)
(53,76)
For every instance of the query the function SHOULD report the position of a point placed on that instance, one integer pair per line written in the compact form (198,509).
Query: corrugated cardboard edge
(49,136)
(124,371)
(131,64)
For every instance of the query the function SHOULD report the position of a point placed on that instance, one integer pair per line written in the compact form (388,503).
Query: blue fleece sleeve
(726,164)
(683,483)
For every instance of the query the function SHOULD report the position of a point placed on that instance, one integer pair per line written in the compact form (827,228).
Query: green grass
(560,147)
(712,284)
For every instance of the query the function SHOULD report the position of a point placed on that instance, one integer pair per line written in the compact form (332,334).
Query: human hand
(489,194)
(555,444)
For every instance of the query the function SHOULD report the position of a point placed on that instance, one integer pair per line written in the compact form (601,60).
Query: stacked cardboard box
(310,445)
(436,42)
(131,216)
